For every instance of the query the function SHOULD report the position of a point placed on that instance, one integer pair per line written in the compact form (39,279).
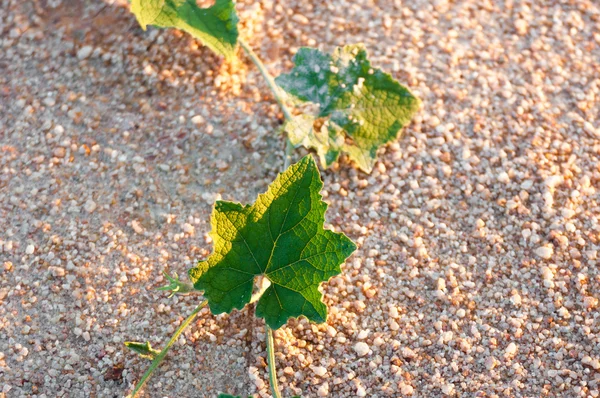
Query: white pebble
(188,228)
(361,349)
(89,206)
(57,271)
(503,177)
(448,389)
(516,299)
(361,392)
(553,181)
(547,274)
(592,362)
(323,391)
(319,370)
(30,249)
(84,52)
(406,389)
(521,26)
(197,120)
(510,351)
(441,284)
(544,252)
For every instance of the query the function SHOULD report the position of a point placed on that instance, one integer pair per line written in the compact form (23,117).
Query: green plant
(279,238)
(332,104)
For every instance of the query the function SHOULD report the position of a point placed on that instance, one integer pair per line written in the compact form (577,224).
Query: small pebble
(361,392)
(323,390)
(59,152)
(137,227)
(406,389)
(521,26)
(84,52)
(188,229)
(319,370)
(544,252)
(510,350)
(197,120)
(361,348)
(89,206)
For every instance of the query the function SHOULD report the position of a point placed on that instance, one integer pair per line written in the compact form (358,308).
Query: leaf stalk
(268,77)
(271,363)
(164,351)
(289,147)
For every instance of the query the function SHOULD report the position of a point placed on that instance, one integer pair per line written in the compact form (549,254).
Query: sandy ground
(477,269)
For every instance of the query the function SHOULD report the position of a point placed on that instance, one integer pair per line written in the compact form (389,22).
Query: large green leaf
(281,237)
(215,26)
(359,108)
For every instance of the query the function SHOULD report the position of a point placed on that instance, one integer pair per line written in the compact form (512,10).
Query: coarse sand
(477,272)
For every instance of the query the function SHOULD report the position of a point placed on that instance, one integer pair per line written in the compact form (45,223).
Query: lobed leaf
(359,109)
(215,26)
(280,237)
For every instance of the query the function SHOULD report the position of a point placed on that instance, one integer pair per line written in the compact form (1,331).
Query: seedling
(278,244)
(279,238)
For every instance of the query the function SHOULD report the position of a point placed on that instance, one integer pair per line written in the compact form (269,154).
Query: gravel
(478,232)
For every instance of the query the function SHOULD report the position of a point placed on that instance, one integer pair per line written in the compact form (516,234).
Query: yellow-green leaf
(145,350)
(359,108)
(215,26)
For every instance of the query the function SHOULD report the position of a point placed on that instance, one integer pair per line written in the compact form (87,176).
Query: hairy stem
(271,363)
(164,351)
(270,80)
(276,93)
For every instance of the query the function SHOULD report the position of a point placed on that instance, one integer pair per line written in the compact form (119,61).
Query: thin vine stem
(276,93)
(268,77)
(271,363)
(164,351)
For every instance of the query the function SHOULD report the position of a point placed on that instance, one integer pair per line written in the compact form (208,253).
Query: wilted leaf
(359,108)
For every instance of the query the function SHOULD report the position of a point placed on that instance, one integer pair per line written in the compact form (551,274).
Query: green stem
(270,81)
(271,363)
(164,351)
(289,148)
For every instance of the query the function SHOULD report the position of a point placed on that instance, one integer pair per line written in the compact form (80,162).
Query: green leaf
(281,237)
(144,349)
(358,108)
(215,26)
